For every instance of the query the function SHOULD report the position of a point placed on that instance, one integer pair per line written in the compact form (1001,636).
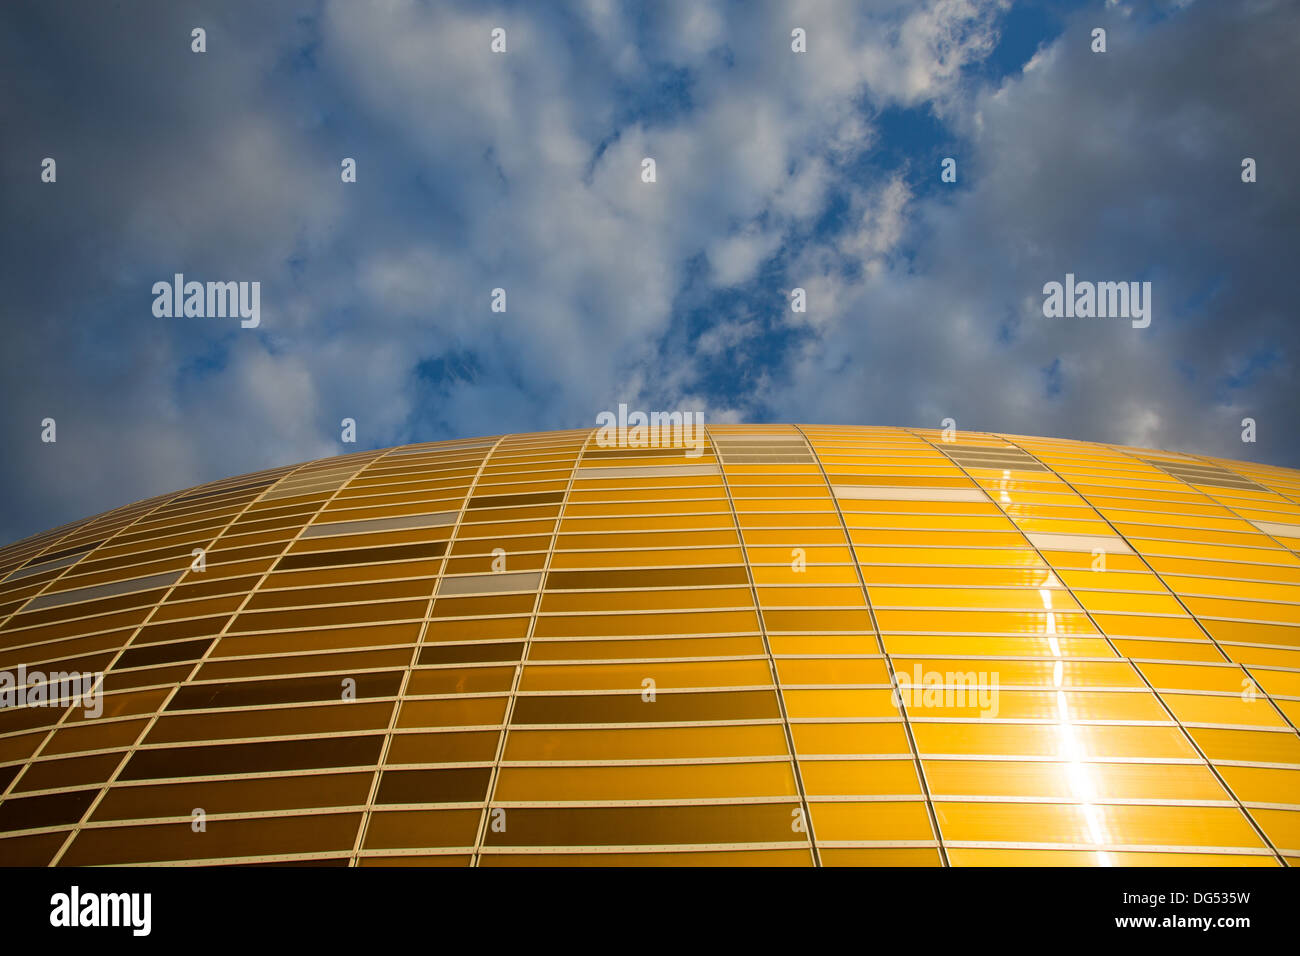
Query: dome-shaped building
(783,645)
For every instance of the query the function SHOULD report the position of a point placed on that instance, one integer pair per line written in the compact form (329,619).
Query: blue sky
(522,171)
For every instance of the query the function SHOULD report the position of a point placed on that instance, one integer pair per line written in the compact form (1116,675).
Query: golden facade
(807,645)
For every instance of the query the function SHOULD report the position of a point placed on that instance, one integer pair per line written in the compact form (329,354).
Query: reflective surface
(820,646)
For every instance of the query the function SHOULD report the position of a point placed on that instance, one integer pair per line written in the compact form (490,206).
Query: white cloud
(523,171)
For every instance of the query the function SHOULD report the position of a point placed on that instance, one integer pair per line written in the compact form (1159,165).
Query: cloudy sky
(522,170)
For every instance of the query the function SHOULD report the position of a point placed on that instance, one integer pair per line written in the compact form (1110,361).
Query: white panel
(1278,528)
(374,525)
(103,590)
(490,583)
(1108,543)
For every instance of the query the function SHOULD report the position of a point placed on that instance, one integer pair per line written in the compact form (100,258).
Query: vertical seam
(918,764)
(771,661)
(1151,687)
(175,688)
(1280,712)
(523,657)
(7,792)
(1102,631)
(368,813)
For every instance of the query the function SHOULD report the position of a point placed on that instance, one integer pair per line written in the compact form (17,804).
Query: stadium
(537,649)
